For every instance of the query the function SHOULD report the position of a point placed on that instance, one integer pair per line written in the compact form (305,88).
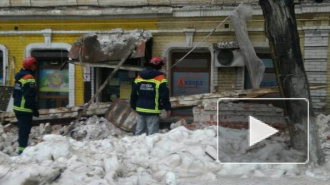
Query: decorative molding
(5,3)
(189,36)
(48,36)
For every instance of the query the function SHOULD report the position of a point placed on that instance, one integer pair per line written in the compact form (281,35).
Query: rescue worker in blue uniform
(149,96)
(25,105)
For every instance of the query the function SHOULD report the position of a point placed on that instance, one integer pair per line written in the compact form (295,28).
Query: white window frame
(4,64)
(57,46)
(177,46)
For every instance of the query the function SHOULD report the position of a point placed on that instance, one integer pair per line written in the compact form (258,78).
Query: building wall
(16,43)
(16,47)
(42,3)
(316,60)
(45,3)
(236,115)
(169,33)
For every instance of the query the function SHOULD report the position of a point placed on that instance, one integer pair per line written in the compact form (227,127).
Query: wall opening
(120,86)
(191,76)
(52,82)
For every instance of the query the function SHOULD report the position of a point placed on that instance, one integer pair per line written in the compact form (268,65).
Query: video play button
(259,131)
(245,132)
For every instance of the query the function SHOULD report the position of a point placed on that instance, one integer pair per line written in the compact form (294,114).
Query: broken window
(120,86)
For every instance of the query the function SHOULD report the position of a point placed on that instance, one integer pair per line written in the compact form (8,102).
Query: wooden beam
(179,101)
(107,65)
(71,127)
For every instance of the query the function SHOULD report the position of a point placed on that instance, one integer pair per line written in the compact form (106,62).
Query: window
(190,76)
(52,81)
(269,78)
(119,86)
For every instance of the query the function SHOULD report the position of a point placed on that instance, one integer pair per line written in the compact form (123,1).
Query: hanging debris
(108,48)
(121,115)
(253,63)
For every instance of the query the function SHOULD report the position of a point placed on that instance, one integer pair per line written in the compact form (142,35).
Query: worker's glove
(36,113)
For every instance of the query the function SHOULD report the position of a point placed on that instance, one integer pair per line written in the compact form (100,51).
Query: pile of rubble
(94,128)
(323,123)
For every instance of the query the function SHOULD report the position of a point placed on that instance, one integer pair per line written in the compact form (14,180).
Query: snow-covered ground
(103,154)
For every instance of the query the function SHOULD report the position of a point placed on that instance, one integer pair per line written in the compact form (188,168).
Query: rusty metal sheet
(140,50)
(121,115)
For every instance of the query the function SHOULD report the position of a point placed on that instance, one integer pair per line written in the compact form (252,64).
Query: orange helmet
(28,62)
(156,62)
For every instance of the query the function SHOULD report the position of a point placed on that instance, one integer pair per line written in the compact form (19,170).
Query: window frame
(4,66)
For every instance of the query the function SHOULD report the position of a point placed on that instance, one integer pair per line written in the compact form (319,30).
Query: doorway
(190,76)
(52,81)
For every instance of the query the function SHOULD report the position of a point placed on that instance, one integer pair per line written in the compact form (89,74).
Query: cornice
(142,11)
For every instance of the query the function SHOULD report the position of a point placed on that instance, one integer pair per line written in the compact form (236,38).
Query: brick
(237,113)
(190,126)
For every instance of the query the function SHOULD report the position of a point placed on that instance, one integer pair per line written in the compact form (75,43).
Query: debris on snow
(106,155)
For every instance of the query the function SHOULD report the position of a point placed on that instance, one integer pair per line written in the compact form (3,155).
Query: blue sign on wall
(188,83)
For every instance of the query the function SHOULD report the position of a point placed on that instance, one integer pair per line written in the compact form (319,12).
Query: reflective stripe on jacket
(24,93)
(150,96)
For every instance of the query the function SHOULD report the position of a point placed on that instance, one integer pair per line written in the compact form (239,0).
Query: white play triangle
(259,131)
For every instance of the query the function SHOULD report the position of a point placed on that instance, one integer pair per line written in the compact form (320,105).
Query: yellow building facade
(176,30)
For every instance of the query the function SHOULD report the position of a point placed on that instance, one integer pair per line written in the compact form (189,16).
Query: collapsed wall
(235,115)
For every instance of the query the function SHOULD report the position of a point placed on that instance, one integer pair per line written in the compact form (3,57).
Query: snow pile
(93,128)
(104,155)
(8,140)
(96,128)
(234,147)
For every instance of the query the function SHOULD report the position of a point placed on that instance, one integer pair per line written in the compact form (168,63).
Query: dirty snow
(102,154)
